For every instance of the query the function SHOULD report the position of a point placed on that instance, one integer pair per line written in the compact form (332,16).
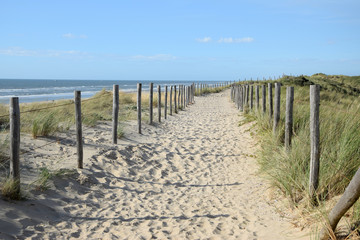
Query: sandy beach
(193,176)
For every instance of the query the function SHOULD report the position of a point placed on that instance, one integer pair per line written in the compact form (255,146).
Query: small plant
(42,183)
(120,131)
(44,125)
(11,189)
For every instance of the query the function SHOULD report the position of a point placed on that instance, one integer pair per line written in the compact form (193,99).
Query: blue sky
(178,39)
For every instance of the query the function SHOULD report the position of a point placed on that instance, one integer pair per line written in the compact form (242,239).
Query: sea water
(33,90)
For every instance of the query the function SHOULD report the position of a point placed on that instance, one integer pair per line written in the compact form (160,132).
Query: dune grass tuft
(11,189)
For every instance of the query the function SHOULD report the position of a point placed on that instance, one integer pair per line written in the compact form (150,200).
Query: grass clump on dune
(10,189)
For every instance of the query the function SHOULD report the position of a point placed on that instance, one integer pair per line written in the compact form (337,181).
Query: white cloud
(236,40)
(157,57)
(70,35)
(204,40)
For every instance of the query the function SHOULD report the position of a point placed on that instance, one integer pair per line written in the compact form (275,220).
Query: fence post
(159,102)
(175,102)
(15,141)
(314,138)
(251,96)
(277,106)
(179,97)
(270,101)
(241,97)
(165,103)
(350,196)
(115,115)
(151,99)
(264,98)
(257,97)
(247,95)
(78,128)
(171,99)
(289,116)
(139,107)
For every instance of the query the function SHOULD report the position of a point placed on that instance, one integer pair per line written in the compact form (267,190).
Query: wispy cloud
(236,40)
(72,36)
(18,51)
(204,40)
(157,57)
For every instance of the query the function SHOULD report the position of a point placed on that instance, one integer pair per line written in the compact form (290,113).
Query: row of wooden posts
(242,95)
(181,96)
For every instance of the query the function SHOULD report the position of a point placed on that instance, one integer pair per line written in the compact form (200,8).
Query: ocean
(32,90)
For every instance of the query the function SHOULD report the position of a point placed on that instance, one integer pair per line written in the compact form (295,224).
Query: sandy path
(192,177)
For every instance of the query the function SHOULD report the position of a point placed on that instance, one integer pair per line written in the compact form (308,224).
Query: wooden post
(171,99)
(236,97)
(79,139)
(179,97)
(264,98)
(251,96)
(165,103)
(159,102)
(270,99)
(151,99)
(175,102)
(257,103)
(232,93)
(247,95)
(277,106)
(289,116)
(314,138)
(139,107)
(15,141)
(241,98)
(350,196)
(115,115)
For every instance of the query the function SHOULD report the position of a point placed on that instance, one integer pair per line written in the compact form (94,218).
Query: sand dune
(191,177)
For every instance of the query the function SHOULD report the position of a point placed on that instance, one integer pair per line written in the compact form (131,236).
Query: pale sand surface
(191,177)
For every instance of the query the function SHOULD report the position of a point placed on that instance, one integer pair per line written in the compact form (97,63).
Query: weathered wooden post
(270,99)
(171,99)
(151,99)
(236,97)
(277,107)
(257,103)
(289,116)
(232,93)
(159,103)
(165,102)
(315,139)
(350,196)
(115,115)
(175,102)
(264,98)
(15,142)
(247,95)
(139,107)
(79,140)
(180,97)
(251,96)
(241,98)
